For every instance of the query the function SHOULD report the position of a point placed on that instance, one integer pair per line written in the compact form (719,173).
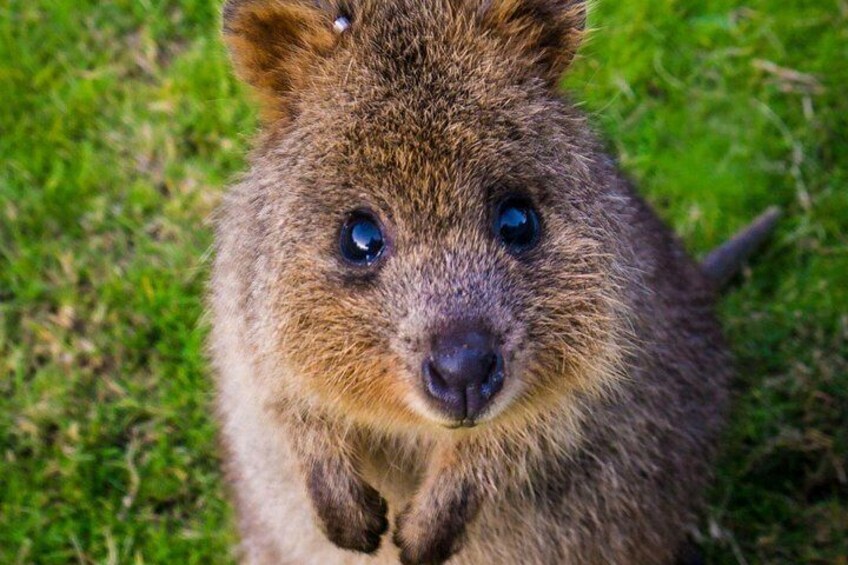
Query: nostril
(491,363)
(435,383)
(494,377)
(448,396)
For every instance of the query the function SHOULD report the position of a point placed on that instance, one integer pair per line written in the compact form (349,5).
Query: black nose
(464,372)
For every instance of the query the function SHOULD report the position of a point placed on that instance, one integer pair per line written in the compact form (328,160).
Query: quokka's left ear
(276,45)
(550,31)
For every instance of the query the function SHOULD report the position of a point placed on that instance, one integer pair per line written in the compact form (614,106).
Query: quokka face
(439,246)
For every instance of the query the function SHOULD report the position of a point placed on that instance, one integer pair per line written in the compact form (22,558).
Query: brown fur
(598,448)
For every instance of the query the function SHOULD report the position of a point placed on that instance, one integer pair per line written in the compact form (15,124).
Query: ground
(121,124)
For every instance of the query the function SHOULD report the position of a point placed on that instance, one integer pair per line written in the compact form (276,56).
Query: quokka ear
(550,31)
(276,44)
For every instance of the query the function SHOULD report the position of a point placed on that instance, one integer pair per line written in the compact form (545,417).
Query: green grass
(120,124)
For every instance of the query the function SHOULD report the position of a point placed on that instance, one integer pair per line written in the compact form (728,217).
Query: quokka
(445,326)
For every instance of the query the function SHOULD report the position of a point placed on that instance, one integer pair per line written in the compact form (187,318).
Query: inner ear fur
(550,31)
(275,45)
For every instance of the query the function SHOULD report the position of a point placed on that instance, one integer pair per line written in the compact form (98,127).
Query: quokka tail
(725,261)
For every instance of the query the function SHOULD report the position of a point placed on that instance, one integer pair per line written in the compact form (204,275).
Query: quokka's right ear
(276,44)
(550,31)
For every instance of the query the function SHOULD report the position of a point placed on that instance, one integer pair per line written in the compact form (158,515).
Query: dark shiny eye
(361,241)
(517,224)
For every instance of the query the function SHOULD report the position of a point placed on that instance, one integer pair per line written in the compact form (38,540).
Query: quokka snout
(440,310)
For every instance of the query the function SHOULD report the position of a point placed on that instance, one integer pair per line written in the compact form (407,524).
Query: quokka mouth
(464,424)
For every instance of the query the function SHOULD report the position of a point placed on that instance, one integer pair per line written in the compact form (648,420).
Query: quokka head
(434,224)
